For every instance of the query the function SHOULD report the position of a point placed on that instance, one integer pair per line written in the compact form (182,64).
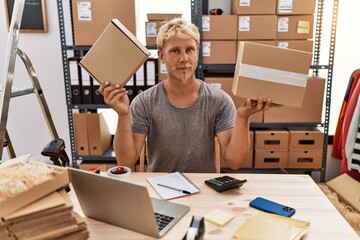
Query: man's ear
(160,55)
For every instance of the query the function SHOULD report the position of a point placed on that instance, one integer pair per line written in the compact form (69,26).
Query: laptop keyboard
(163,220)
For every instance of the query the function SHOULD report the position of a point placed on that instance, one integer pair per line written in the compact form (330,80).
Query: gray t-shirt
(181,138)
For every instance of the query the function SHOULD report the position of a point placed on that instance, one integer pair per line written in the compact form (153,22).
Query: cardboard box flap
(348,189)
(116,55)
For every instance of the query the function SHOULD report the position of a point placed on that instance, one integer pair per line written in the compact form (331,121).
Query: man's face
(180,57)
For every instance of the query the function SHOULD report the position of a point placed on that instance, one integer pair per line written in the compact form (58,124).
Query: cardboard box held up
(267,71)
(116,55)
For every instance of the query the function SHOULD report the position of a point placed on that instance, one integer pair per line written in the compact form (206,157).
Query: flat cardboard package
(91,17)
(256,27)
(23,199)
(267,71)
(296,7)
(224,83)
(348,190)
(310,110)
(116,55)
(219,27)
(254,7)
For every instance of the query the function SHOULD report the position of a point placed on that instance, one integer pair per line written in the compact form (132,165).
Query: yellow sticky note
(303,27)
(218,217)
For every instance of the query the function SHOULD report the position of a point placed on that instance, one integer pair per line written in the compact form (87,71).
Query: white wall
(26,126)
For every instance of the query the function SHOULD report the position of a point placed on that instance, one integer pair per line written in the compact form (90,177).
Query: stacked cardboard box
(40,208)
(92,135)
(305,149)
(271,148)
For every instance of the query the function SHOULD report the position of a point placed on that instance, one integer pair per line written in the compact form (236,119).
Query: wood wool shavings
(19,177)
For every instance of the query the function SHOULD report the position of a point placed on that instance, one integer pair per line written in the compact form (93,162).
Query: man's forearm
(124,145)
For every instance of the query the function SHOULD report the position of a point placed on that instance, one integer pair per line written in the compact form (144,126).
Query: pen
(176,189)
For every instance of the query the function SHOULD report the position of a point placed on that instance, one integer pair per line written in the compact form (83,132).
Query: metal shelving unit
(197,8)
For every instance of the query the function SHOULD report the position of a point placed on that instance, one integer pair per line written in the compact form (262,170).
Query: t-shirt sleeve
(139,116)
(226,115)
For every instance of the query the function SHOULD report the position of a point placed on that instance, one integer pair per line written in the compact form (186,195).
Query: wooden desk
(297,191)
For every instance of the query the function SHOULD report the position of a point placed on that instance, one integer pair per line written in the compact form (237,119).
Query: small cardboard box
(116,55)
(348,190)
(295,27)
(306,139)
(224,83)
(247,162)
(36,192)
(151,31)
(256,27)
(271,140)
(302,45)
(219,27)
(254,7)
(267,71)
(91,17)
(270,159)
(305,159)
(310,110)
(219,52)
(98,133)
(295,7)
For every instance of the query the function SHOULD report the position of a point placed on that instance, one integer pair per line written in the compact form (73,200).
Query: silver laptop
(124,204)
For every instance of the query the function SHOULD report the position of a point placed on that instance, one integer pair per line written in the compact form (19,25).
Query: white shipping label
(285,6)
(206,49)
(283,24)
(283,44)
(151,29)
(206,23)
(244,3)
(84,11)
(163,68)
(244,24)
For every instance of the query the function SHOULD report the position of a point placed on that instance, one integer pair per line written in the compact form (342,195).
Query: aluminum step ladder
(9,92)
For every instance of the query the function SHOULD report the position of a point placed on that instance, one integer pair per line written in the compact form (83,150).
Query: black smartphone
(272,207)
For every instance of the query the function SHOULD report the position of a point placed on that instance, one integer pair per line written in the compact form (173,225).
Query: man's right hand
(115,97)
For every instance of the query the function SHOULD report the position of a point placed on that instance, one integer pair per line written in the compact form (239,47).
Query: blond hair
(177,27)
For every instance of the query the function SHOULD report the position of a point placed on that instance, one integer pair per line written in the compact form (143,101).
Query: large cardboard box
(271,140)
(225,83)
(99,136)
(253,7)
(219,27)
(295,27)
(81,134)
(306,139)
(91,17)
(302,45)
(270,158)
(219,52)
(116,55)
(256,27)
(295,7)
(348,190)
(310,110)
(305,159)
(268,71)
(16,202)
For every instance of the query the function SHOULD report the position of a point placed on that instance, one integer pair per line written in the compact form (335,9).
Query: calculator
(224,183)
